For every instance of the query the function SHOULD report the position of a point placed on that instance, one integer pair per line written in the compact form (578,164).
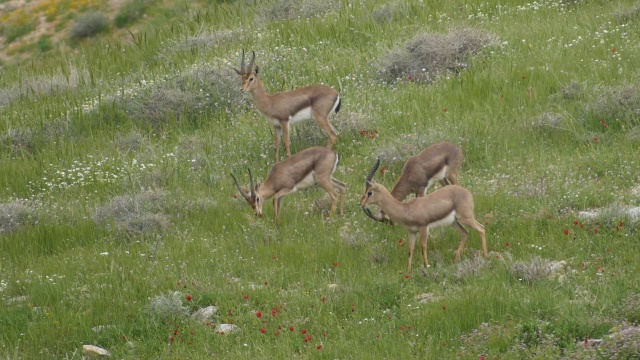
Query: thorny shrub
(199,91)
(278,10)
(427,55)
(535,270)
(168,307)
(14,214)
(616,106)
(622,343)
(630,309)
(89,24)
(140,214)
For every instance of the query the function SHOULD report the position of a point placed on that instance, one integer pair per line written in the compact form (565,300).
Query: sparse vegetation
(89,24)
(429,55)
(131,11)
(119,219)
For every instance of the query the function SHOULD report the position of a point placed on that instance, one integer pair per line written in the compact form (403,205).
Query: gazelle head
(251,196)
(249,74)
(370,188)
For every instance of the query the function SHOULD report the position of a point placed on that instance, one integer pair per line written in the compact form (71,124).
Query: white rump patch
(447,220)
(437,177)
(307,181)
(302,115)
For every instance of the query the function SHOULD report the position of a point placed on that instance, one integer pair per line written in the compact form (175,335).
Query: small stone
(204,315)
(94,351)
(226,328)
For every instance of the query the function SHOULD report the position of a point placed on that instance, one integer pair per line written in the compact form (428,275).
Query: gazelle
(283,109)
(439,162)
(449,205)
(314,165)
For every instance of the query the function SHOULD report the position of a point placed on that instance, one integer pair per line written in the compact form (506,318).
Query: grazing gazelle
(314,165)
(449,205)
(439,162)
(283,109)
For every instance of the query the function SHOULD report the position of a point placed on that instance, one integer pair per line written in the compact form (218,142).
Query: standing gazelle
(439,162)
(314,165)
(283,109)
(449,205)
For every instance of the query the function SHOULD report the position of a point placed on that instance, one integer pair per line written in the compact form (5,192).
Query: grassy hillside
(119,219)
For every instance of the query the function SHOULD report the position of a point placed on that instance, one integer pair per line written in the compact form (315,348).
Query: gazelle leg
(285,137)
(329,130)
(463,238)
(412,245)
(328,187)
(277,205)
(480,229)
(276,140)
(424,235)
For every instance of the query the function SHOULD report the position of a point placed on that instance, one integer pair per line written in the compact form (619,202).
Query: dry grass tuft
(536,270)
(387,13)
(629,14)
(278,10)
(630,309)
(168,307)
(622,343)
(428,55)
(349,125)
(14,214)
(619,105)
(18,140)
(134,215)
(187,97)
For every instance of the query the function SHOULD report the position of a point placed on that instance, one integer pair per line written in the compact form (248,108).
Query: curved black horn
(253,58)
(373,171)
(242,70)
(253,192)
(244,195)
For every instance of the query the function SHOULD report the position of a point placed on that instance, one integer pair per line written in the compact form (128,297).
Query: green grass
(115,189)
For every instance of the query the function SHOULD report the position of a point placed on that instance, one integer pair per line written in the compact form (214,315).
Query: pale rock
(94,351)
(102,327)
(427,297)
(588,214)
(205,314)
(226,328)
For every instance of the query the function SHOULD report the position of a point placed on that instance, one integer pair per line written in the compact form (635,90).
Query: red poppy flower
(259,314)
(263,330)
(566,231)
(291,328)
(189,298)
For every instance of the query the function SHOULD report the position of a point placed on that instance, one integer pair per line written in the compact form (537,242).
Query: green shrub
(427,55)
(44,44)
(89,24)
(13,32)
(131,11)
(291,10)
